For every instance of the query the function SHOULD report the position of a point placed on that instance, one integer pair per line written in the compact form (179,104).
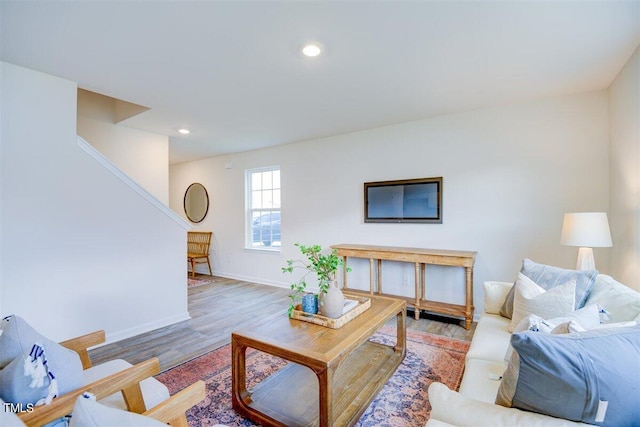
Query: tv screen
(410,200)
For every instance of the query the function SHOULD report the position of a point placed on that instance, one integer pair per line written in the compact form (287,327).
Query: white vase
(331,304)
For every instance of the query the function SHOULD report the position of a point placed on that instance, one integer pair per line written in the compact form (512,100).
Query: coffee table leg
(325,379)
(238,375)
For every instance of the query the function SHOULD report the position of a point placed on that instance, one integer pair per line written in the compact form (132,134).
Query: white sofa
(485,362)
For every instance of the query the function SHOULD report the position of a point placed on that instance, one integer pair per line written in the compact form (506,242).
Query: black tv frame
(407,183)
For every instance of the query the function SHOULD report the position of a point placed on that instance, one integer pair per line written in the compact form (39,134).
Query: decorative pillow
(27,380)
(621,302)
(560,325)
(535,323)
(585,319)
(494,295)
(615,325)
(574,326)
(568,327)
(39,368)
(17,337)
(590,377)
(549,277)
(529,298)
(89,413)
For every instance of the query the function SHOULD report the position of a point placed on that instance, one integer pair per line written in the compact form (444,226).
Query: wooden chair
(198,243)
(126,381)
(171,411)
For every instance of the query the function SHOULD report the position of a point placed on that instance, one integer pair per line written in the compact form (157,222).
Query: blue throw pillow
(591,377)
(548,277)
(25,377)
(27,380)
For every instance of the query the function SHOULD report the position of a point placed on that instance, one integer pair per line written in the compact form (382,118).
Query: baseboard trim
(258,280)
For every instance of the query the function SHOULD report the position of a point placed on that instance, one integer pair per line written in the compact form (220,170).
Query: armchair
(119,384)
(171,411)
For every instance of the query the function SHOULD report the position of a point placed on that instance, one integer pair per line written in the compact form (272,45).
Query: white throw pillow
(587,317)
(529,298)
(573,326)
(621,302)
(494,295)
(533,323)
(616,325)
(568,327)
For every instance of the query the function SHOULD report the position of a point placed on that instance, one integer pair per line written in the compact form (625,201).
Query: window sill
(272,250)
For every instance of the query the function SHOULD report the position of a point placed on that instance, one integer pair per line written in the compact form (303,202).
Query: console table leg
(371,276)
(345,268)
(469,300)
(416,279)
(379,276)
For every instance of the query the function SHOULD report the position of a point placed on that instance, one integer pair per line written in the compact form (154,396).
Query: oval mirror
(196,202)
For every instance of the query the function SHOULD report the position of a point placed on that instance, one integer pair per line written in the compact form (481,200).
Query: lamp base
(585,259)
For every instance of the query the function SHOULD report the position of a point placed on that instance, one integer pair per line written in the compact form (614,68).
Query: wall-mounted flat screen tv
(409,200)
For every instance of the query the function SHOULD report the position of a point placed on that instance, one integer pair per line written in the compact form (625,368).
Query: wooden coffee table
(335,373)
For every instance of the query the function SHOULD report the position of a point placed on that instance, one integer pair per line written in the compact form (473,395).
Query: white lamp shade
(586,229)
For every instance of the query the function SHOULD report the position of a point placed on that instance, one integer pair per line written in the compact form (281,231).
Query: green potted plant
(325,266)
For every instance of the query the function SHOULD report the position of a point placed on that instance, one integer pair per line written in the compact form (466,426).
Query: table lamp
(586,230)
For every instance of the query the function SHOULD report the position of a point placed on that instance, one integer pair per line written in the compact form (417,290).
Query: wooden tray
(317,319)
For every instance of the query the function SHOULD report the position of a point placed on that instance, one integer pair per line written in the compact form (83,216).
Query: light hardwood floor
(219,308)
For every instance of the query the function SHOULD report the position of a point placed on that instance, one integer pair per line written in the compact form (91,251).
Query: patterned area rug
(192,283)
(403,401)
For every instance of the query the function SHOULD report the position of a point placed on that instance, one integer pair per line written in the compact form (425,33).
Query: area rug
(403,401)
(192,283)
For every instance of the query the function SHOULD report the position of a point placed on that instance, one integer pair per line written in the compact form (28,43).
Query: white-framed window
(263,208)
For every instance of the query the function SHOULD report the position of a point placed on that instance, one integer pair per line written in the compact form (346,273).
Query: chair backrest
(198,242)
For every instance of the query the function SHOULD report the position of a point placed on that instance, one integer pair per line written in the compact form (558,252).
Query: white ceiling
(232,72)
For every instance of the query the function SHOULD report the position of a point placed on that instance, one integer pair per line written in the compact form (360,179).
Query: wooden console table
(420,257)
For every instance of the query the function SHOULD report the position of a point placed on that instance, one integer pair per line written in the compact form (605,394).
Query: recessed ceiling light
(311,49)
(184,131)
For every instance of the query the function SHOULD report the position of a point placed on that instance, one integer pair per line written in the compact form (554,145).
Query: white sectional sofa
(473,405)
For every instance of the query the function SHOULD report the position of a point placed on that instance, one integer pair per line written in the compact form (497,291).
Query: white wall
(144,156)
(509,174)
(81,251)
(624,104)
